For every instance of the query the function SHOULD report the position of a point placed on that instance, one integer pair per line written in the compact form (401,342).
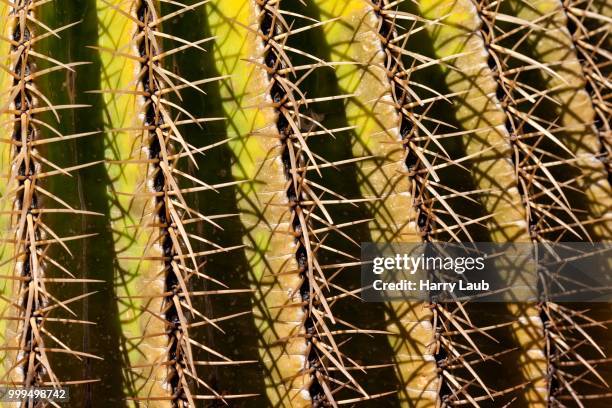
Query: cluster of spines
(32,302)
(171,246)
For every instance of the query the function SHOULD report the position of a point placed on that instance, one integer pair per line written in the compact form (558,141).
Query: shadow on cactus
(188,185)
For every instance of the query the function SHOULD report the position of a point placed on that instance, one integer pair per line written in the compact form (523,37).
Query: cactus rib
(263,203)
(293,149)
(589,25)
(31,344)
(160,147)
(158,257)
(321,350)
(537,332)
(551,43)
(383,109)
(381,130)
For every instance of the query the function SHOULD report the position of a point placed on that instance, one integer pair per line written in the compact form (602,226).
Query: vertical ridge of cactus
(272,28)
(289,213)
(31,347)
(551,43)
(159,257)
(321,350)
(85,190)
(452,29)
(254,141)
(457,40)
(549,209)
(396,218)
(577,363)
(430,342)
(459,54)
(381,130)
(529,329)
(116,33)
(589,26)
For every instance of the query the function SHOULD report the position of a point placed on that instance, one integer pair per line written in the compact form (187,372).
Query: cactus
(187,185)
